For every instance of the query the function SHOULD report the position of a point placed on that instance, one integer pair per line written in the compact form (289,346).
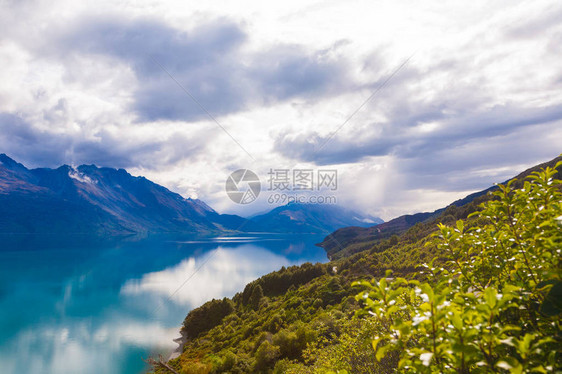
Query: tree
(495,304)
(266,355)
(256,296)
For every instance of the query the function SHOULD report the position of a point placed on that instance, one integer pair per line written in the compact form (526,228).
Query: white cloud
(217,274)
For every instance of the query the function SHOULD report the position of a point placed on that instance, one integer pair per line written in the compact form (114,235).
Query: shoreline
(179,350)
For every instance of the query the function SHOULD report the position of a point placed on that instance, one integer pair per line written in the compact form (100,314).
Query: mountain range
(349,240)
(106,201)
(318,218)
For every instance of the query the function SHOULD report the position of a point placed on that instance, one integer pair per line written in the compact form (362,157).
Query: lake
(82,305)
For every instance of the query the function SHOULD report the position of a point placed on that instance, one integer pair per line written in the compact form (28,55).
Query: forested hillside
(474,288)
(348,240)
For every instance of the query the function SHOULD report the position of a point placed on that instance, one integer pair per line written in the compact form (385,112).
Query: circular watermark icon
(243,186)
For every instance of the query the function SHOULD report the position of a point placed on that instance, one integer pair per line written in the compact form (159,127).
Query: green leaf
(375,342)
(490,297)
(381,352)
(456,320)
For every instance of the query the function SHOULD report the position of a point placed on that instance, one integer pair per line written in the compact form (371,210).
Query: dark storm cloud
(459,115)
(134,41)
(473,165)
(201,60)
(26,144)
(464,153)
(289,71)
(207,61)
(324,150)
(395,140)
(38,148)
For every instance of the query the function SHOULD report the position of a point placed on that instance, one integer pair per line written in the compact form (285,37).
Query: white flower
(417,319)
(426,358)
(444,305)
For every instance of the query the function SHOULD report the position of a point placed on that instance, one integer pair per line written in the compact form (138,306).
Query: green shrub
(206,317)
(495,304)
(266,355)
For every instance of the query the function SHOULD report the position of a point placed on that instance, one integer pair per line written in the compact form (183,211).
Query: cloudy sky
(463,94)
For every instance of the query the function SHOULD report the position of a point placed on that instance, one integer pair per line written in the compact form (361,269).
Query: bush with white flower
(494,304)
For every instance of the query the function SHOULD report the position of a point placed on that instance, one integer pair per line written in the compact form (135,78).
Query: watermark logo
(285,186)
(243,186)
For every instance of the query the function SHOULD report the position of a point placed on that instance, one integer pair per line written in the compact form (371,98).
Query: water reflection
(81,347)
(98,307)
(218,273)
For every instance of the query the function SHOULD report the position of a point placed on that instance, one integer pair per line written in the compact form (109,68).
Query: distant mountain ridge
(349,240)
(105,201)
(88,199)
(313,218)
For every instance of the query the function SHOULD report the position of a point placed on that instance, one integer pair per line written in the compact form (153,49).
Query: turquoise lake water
(77,305)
